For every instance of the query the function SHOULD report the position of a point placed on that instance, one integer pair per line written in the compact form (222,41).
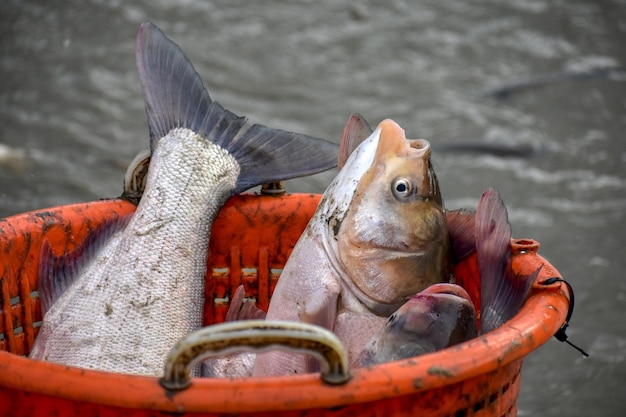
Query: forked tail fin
(175,97)
(502,291)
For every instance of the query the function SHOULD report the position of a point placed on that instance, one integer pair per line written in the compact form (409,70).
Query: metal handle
(256,335)
(135,176)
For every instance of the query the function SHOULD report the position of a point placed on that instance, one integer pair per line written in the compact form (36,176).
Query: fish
(377,237)
(119,302)
(611,73)
(498,149)
(438,317)
(443,315)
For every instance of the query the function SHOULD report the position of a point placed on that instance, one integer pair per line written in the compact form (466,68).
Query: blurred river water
(72,118)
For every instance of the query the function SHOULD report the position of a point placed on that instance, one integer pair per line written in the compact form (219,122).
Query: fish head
(393,239)
(443,314)
(438,317)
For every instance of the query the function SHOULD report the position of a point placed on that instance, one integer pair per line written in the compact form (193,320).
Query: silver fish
(440,316)
(378,237)
(122,300)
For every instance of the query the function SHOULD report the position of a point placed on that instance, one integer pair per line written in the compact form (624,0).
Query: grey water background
(72,118)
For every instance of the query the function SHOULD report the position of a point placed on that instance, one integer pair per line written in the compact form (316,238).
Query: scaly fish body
(161,284)
(124,298)
(377,238)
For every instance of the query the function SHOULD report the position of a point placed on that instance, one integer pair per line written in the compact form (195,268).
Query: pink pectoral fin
(243,310)
(321,308)
(355,132)
(57,273)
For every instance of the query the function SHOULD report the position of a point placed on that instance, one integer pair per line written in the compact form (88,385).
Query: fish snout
(393,141)
(420,148)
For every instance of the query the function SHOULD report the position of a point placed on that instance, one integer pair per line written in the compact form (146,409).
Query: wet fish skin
(120,303)
(378,237)
(438,317)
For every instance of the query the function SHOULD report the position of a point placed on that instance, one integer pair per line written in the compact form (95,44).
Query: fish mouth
(379,307)
(444,289)
(384,255)
(390,261)
(393,141)
(390,252)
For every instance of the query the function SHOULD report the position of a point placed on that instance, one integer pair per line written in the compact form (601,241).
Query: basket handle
(135,177)
(256,335)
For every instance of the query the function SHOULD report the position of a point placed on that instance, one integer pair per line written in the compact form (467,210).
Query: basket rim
(538,320)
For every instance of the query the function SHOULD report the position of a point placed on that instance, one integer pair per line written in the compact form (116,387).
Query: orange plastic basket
(252,238)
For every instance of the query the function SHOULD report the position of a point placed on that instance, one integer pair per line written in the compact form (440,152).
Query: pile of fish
(374,264)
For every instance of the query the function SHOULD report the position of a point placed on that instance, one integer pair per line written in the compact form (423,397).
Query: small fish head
(438,317)
(393,239)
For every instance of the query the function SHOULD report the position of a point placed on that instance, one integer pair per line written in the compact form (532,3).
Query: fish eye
(401,187)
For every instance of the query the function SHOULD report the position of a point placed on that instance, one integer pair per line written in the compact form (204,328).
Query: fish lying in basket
(481,375)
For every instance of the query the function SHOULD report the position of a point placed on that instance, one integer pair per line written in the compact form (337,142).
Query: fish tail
(502,292)
(175,97)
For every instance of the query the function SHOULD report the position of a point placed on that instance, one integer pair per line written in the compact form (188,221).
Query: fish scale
(169,274)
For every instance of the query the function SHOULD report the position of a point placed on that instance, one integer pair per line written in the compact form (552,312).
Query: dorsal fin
(58,273)
(249,311)
(461,228)
(354,133)
(240,309)
(502,292)
(175,97)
